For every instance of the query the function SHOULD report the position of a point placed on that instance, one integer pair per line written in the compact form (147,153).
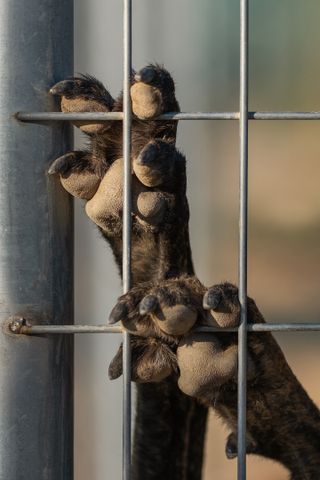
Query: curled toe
(118,313)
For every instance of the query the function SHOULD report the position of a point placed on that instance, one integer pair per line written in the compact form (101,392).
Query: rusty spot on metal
(17,324)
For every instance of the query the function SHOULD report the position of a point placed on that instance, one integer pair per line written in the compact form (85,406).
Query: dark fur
(282,420)
(170,426)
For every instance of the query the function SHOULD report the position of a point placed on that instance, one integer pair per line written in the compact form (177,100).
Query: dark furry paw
(168,308)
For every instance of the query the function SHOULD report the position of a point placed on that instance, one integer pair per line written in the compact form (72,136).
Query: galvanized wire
(243,116)
(41,117)
(81,329)
(126,242)
(243,241)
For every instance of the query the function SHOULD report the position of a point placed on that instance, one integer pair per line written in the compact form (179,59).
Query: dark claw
(148,304)
(231,451)
(119,312)
(146,75)
(115,367)
(211,300)
(60,165)
(62,87)
(232,446)
(148,155)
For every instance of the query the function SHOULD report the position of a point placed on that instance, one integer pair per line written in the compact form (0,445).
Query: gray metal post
(36,236)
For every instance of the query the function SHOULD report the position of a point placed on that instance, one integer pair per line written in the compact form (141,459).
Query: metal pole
(126,256)
(36,264)
(243,220)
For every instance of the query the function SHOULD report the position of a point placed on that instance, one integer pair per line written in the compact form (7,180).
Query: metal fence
(243,116)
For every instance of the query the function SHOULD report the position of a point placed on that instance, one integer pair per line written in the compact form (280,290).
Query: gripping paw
(169,308)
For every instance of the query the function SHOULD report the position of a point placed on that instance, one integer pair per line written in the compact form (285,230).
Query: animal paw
(168,309)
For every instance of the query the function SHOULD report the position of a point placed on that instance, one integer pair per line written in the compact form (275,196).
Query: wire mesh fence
(242,116)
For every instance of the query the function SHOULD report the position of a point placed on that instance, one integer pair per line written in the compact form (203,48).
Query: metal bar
(36,245)
(81,329)
(40,117)
(284,115)
(126,242)
(243,228)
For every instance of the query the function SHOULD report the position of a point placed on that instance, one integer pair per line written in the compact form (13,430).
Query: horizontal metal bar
(284,115)
(72,329)
(39,117)
(103,117)
(266,327)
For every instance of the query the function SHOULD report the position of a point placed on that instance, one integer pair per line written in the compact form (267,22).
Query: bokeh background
(198,41)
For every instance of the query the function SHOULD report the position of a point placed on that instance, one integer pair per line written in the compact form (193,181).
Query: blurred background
(199,43)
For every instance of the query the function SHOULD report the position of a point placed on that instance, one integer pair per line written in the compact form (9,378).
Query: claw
(232,446)
(148,304)
(119,312)
(62,87)
(146,75)
(231,450)
(148,155)
(211,300)
(61,164)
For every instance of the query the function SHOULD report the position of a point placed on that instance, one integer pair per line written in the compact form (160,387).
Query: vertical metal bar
(36,245)
(243,220)
(126,259)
